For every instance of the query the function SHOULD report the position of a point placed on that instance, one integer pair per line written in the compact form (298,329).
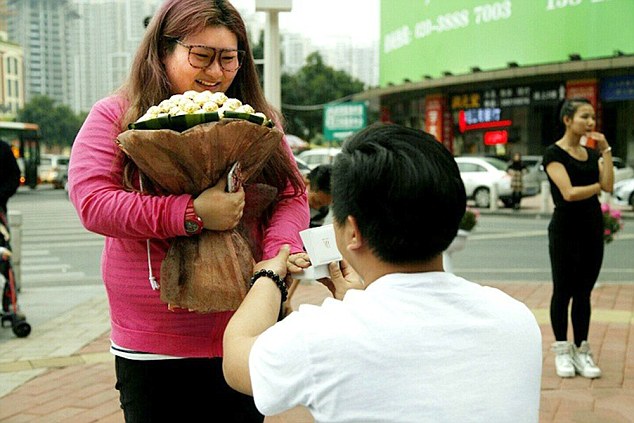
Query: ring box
(321,246)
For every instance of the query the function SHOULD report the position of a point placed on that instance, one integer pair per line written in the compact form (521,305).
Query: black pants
(516,198)
(576,255)
(183,390)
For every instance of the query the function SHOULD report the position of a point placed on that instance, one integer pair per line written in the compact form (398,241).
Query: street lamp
(272,74)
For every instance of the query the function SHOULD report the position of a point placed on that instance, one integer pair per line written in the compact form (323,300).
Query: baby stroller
(10,309)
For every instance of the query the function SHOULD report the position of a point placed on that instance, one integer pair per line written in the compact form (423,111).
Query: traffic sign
(344,119)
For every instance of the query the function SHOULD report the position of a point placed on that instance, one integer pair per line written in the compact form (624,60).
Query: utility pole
(272,73)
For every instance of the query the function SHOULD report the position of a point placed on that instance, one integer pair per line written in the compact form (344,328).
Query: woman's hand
(297,262)
(602,142)
(220,210)
(342,278)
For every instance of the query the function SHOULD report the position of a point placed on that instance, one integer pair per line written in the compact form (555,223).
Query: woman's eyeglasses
(201,57)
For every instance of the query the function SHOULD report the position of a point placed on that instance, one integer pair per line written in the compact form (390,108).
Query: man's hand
(278,264)
(342,278)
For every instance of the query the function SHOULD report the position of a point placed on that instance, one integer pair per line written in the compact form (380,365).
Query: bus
(24,139)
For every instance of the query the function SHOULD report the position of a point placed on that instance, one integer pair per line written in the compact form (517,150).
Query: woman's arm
(290,216)
(606,171)
(606,166)
(560,177)
(96,188)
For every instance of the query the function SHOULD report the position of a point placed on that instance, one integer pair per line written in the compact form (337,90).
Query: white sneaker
(563,359)
(584,363)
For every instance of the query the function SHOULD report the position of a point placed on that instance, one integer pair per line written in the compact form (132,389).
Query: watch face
(191,227)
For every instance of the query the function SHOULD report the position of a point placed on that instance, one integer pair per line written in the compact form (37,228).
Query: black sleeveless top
(580,172)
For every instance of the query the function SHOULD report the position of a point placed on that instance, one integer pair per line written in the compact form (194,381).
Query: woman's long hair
(148,85)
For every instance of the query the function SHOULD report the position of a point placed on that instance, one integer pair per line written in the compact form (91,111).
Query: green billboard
(431,37)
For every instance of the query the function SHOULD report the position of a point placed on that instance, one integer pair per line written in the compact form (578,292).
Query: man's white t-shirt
(410,348)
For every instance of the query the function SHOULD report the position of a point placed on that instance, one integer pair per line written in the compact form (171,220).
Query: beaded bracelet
(274,277)
(607,150)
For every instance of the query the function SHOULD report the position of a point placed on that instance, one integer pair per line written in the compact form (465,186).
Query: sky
(322,20)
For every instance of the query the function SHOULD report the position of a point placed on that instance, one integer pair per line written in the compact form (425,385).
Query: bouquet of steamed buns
(183,111)
(184,145)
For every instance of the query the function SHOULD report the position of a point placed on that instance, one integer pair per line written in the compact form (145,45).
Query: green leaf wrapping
(181,123)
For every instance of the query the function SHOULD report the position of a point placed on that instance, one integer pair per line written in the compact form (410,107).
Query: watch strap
(193,222)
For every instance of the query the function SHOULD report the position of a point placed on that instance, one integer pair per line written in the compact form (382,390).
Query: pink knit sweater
(140,320)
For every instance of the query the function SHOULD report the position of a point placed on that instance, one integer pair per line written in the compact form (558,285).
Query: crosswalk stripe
(47,232)
(45,277)
(34,268)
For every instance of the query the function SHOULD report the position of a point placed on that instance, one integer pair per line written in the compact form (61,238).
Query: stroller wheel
(22,329)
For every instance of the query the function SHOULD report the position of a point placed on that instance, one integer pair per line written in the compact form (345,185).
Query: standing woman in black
(577,175)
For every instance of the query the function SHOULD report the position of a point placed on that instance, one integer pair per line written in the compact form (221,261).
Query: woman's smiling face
(184,77)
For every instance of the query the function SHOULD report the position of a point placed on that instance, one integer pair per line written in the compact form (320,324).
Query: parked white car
(621,170)
(479,174)
(317,156)
(53,169)
(624,192)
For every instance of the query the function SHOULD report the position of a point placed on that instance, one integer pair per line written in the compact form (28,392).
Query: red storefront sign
(584,88)
(434,111)
(496,137)
(588,89)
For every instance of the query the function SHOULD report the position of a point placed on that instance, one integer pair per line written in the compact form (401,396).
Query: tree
(313,85)
(59,125)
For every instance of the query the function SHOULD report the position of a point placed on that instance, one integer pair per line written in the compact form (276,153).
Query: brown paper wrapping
(209,272)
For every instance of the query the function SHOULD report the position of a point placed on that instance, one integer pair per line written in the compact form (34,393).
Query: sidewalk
(64,372)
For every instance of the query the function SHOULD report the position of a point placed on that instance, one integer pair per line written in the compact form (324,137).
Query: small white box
(321,246)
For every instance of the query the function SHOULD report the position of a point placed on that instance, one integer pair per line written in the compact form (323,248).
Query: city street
(58,252)
(515,249)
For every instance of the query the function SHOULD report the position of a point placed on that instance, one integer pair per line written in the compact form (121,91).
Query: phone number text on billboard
(481,14)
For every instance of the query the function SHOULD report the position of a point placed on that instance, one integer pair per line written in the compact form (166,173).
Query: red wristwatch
(193,222)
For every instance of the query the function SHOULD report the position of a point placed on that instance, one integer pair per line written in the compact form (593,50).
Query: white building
(11,77)
(361,62)
(77,51)
(39,26)
(295,48)
(107,33)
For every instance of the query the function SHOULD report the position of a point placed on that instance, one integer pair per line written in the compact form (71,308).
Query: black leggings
(576,255)
(181,390)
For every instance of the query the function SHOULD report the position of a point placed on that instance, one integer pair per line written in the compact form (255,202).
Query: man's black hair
(404,189)
(319,178)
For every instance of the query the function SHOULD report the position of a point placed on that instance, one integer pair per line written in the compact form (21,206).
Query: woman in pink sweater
(168,363)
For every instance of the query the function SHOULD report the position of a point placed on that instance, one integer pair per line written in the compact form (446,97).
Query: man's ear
(354,240)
